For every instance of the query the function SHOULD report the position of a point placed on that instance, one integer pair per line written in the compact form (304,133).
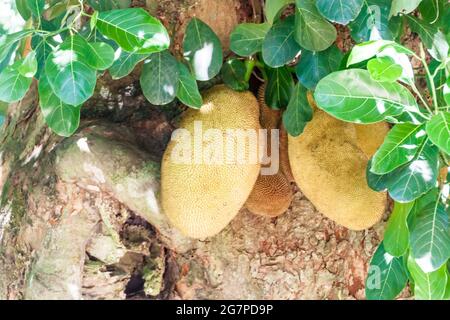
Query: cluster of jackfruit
(328,163)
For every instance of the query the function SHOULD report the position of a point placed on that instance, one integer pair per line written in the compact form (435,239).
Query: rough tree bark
(80,217)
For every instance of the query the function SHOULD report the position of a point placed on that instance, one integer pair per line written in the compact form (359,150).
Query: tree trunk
(77,217)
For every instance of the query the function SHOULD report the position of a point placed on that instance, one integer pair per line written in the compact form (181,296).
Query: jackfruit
(371,136)
(272,194)
(200,198)
(329,167)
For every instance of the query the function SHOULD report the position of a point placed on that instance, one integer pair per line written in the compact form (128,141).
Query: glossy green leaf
(13,85)
(404,6)
(340,11)
(124,63)
(312,31)
(372,22)
(298,112)
(105,5)
(430,237)
(446,91)
(352,95)
(187,90)
(396,235)
(43,47)
(134,30)
(233,74)
(399,147)
(69,73)
(428,286)
(247,38)
(432,11)
(438,129)
(273,8)
(23,9)
(279,46)
(433,39)
(159,78)
(384,69)
(36,7)
(7,56)
(103,55)
(279,88)
(411,180)
(313,66)
(386,277)
(202,49)
(56,9)
(63,119)
(93,21)
(8,40)
(29,66)
(369,49)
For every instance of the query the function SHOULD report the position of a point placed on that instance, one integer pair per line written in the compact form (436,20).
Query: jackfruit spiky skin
(284,155)
(272,194)
(269,118)
(371,136)
(329,168)
(201,199)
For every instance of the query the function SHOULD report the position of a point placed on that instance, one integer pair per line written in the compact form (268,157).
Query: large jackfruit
(199,198)
(329,162)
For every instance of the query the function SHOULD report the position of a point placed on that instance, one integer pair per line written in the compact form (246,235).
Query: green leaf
(432,38)
(202,49)
(372,22)
(279,88)
(13,85)
(36,7)
(313,66)
(103,55)
(29,66)
(446,91)
(428,286)
(23,9)
(312,31)
(187,90)
(124,63)
(105,5)
(43,47)
(404,6)
(384,69)
(396,235)
(298,112)
(159,78)
(352,95)
(367,50)
(273,8)
(93,21)
(6,57)
(432,11)
(430,237)
(386,277)
(8,40)
(340,11)
(134,30)
(399,147)
(411,180)
(247,38)
(279,46)
(233,74)
(69,73)
(63,119)
(438,129)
